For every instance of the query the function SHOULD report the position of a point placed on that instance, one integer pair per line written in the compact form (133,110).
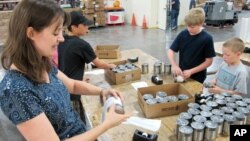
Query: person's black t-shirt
(73,53)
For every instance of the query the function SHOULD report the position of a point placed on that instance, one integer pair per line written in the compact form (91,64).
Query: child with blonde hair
(232,74)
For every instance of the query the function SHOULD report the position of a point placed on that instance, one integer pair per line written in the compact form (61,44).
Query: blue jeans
(174,18)
(192,4)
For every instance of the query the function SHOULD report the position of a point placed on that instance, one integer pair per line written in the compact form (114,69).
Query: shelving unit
(94,10)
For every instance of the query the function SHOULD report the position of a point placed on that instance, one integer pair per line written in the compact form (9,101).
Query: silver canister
(245,111)
(221,102)
(157,68)
(218,96)
(185,115)
(247,100)
(183,97)
(194,111)
(199,118)
(205,107)
(210,131)
(180,122)
(230,99)
(240,118)
(217,112)
(144,68)
(237,97)
(151,101)
(198,131)
(231,105)
(227,110)
(193,105)
(185,133)
(212,104)
(147,96)
(219,120)
(161,94)
(206,114)
(228,120)
(167,69)
(241,103)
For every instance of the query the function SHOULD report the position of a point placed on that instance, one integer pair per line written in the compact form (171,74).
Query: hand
(111,66)
(215,89)
(187,73)
(177,70)
(115,93)
(113,119)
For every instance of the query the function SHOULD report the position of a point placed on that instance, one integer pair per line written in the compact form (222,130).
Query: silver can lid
(229,118)
(172,98)
(237,97)
(217,112)
(239,115)
(241,103)
(218,96)
(161,100)
(221,101)
(227,109)
(197,125)
(199,118)
(231,105)
(211,103)
(186,130)
(148,96)
(151,101)
(161,94)
(181,122)
(183,96)
(247,100)
(217,119)
(193,111)
(230,99)
(205,107)
(193,105)
(185,115)
(211,125)
(243,110)
(206,113)
(225,94)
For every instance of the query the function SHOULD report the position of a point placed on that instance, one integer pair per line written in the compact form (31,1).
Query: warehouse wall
(149,8)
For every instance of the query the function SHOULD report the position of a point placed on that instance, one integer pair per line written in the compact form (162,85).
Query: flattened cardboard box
(107,51)
(119,78)
(164,109)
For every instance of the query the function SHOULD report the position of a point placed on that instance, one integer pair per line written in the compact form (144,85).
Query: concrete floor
(152,41)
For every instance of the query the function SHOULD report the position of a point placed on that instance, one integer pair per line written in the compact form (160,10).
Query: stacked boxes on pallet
(94,10)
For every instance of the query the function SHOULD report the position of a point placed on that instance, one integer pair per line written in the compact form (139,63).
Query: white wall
(149,8)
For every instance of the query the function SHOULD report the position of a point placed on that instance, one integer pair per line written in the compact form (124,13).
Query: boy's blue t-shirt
(22,99)
(193,50)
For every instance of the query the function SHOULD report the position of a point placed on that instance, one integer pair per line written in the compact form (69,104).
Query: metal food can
(245,111)
(194,111)
(199,118)
(227,110)
(157,68)
(241,104)
(230,99)
(232,105)
(151,101)
(185,133)
(161,100)
(172,98)
(217,112)
(180,122)
(167,69)
(225,94)
(205,107)
(218,96)
(212,104)
(183,97)
(221,102)
(185,115)
(144,67)
(210,131)
(237,97)
(198,131)
(206,114)
(228,120)
(240,118)
(193,105)
(147,96)
(219,120)
(247,100)
(161,94)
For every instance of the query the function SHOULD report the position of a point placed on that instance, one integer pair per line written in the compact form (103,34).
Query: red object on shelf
(114,18)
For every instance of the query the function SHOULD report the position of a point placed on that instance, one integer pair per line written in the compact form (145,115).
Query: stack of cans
(213,118)
(162,97)
(124,68)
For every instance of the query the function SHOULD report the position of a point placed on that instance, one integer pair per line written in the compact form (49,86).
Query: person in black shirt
(75,52)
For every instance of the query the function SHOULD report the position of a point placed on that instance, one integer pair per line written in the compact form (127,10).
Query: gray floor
(152,41)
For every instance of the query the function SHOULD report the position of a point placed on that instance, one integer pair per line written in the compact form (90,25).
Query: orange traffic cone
(144,23)
(133,22)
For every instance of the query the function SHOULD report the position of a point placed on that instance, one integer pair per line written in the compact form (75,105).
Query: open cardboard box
(164,109)
(119,78)
(107,51)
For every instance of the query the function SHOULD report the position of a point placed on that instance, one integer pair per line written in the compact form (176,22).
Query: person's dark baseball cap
(78,18)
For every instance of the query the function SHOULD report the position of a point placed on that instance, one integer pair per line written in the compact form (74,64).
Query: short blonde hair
(235,44)
(195,16)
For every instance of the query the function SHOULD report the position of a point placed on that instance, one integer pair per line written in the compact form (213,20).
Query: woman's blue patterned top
(22,99)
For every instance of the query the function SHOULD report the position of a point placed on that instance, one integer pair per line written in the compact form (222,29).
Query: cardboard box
(107,51)
(164,109)
(119,78)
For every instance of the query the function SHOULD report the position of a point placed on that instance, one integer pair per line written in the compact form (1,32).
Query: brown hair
(19,49)
(195,16)
(235,44)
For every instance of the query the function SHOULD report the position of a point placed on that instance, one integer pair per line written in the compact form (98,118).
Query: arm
(40,129)
(175,68)
(219,90)
(84,88)
(202,66)
(103,65)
